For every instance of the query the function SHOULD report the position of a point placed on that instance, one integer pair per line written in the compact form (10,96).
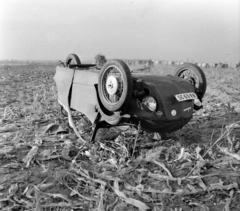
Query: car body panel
(83,96)
(63,79)
(163,88)
(76,90)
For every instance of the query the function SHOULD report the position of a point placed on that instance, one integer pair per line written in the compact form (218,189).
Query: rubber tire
(72,59)
(127,85)
(200,74)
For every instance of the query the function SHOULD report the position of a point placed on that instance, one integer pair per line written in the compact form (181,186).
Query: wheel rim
(191,76)
(112,86)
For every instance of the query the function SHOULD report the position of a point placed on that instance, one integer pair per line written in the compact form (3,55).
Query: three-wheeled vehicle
(114,96)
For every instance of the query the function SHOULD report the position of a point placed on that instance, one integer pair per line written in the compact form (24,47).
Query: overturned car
(114,96)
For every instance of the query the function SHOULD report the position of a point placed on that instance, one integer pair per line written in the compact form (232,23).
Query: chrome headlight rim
(150,102)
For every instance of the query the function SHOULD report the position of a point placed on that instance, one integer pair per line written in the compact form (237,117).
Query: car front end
(156,104)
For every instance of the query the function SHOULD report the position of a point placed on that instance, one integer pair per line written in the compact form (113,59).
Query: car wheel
(115,85)
(195,75)
(72,59)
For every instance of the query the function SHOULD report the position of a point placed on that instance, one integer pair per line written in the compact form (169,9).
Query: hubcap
(111,85)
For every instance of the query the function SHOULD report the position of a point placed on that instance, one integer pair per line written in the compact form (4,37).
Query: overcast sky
(193,30)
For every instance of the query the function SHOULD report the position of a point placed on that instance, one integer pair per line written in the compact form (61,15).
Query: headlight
(151,103)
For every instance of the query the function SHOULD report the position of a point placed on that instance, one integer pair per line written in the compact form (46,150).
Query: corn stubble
(44,166)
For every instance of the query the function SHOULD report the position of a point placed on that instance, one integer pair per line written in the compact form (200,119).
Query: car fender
(112,118)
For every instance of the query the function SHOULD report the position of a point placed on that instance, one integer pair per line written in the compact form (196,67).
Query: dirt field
(44,166)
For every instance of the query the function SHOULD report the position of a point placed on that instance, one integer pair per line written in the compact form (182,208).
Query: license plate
(186,96)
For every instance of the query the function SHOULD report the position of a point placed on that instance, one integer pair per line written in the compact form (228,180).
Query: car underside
(115,96)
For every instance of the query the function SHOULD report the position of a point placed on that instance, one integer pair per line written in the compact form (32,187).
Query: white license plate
(186,96)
